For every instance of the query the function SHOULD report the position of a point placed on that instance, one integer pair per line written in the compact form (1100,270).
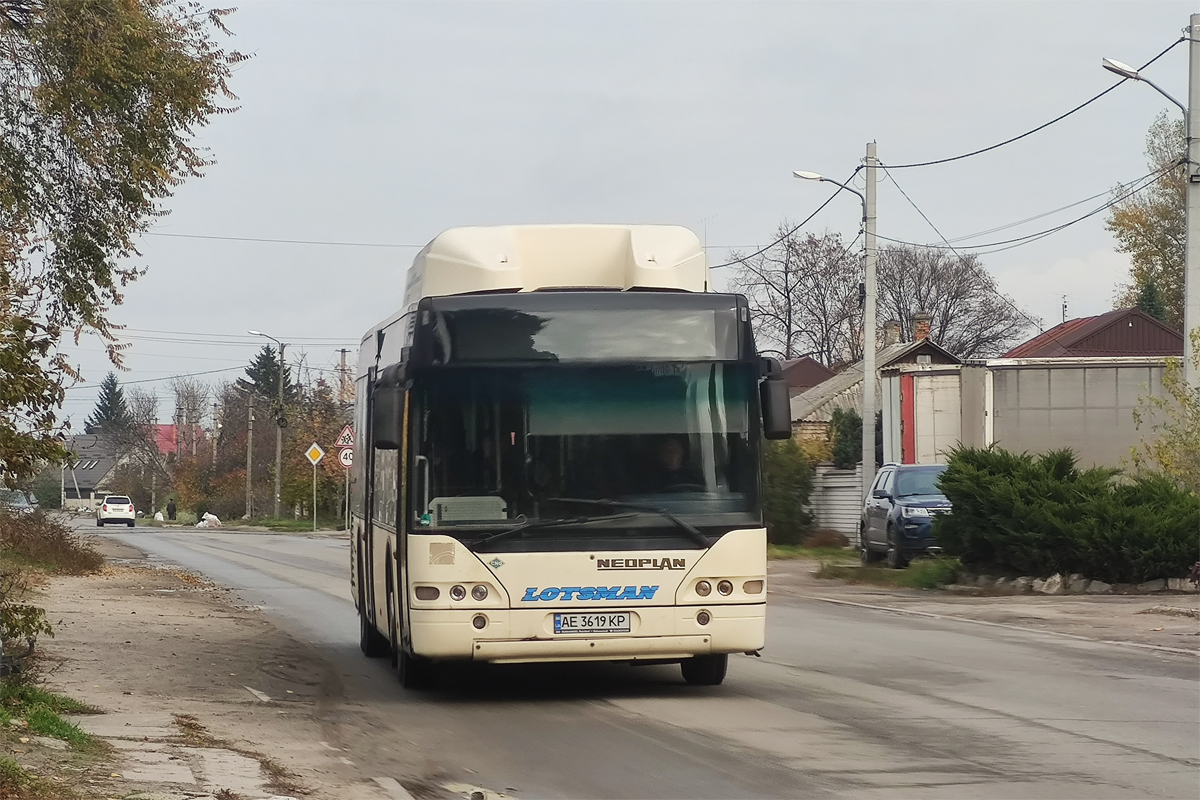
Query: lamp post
(1191,268)
(869,281)
(278,420)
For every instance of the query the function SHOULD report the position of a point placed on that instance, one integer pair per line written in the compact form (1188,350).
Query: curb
(931,615)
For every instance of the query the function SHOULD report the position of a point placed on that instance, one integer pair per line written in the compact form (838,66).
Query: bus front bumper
(522,635)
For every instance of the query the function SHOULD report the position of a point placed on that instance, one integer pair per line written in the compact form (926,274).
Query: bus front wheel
(414,672)
(706,670)
(372,643)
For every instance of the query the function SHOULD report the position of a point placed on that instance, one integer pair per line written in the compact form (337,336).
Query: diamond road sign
(345,438)
(315,453)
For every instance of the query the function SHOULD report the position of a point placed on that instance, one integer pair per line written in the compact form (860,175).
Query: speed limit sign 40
(346,456)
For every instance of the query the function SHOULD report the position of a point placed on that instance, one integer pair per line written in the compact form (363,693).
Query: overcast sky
(387,122)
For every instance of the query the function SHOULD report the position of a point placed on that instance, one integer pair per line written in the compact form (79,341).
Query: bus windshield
(499,446)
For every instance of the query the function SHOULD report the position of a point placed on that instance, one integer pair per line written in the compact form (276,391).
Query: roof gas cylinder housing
(529,258)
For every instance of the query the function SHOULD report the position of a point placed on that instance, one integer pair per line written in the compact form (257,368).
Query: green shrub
(1039,515)
(846,425)
(787,483)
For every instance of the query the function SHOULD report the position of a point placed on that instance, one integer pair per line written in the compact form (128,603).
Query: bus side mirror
(387,408)
(776,405)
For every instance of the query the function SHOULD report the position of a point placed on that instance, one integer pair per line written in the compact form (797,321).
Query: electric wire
(1041,127)
(806,220)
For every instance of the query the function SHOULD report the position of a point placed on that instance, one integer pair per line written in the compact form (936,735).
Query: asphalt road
(845,702)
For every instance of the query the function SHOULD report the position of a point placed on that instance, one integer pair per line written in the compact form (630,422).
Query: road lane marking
(262,696)
(393,788)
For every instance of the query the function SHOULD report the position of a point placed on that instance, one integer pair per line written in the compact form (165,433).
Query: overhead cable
(800,225)
(1041,127)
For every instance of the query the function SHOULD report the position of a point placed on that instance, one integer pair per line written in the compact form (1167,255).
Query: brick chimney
(921,321)
(891,332)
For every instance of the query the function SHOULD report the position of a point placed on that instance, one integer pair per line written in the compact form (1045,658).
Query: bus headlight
(479,591)
(725,588)
(457,592)
(752,587)
(703,588)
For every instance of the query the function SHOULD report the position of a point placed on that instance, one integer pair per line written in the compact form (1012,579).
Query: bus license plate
(607,622)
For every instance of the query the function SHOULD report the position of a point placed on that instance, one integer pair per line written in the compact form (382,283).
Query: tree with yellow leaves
(1150,225)
(1174,422)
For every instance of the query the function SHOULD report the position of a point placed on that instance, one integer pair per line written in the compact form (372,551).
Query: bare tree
(191,404)
(803,292)
(970,317)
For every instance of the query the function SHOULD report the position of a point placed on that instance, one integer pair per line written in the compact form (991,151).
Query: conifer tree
(111,414)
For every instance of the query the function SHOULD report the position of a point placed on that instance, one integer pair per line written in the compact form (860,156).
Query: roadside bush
(1040,515)
(44,542)
(787,483)
(846,427)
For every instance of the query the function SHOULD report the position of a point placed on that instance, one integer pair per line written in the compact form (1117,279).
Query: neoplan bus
(558,456)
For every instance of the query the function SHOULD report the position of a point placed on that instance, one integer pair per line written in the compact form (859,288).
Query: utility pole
(868,385)
(1191,269)
(212,445)
(344,382)
(249,455)
(279,432)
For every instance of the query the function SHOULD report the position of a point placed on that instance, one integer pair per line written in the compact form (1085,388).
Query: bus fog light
(479,621)
(479,591)
(428,593)
(703,618)
(752,587)
(703,588)
(725,588)
(457,592)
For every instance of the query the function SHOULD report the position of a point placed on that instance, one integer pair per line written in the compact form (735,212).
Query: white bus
(558,456)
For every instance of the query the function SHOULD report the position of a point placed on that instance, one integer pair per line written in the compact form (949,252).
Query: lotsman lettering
(568,590)
(647,593)
(605,593)
(530,595)
(628,593)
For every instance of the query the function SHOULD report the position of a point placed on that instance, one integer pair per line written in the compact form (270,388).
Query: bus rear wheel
(706,670)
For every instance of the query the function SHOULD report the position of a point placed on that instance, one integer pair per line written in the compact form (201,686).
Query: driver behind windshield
(669,468)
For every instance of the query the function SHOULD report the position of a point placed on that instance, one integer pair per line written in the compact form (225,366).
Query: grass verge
(17,699)
(836,555)
(924,573)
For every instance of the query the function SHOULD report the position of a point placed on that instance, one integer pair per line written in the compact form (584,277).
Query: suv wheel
(866,555)
(895,557)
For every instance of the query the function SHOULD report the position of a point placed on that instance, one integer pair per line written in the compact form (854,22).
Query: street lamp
(1191,267)
(869,280)
(278,420)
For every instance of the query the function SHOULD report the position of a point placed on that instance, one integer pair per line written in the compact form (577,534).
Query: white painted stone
(1156,585)
(984,582)
(1182,585)
(1099,587)
(1038,585)
(1003,584)
(1054,584)
(1076,584)
(1022,584)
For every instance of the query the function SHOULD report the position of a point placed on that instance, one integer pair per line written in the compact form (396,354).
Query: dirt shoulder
(201,697)
(1140,619)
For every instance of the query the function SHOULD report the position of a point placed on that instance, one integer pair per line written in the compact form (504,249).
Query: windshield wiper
(529,525)
(691,530)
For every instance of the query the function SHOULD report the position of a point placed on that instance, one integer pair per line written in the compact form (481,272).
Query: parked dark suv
(897,517)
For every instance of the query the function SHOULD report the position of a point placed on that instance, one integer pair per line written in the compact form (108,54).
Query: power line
(1041,127)
(282,241)
(793,230)
(1145,182)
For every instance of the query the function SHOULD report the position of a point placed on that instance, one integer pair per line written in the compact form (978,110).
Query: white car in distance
(115,508)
